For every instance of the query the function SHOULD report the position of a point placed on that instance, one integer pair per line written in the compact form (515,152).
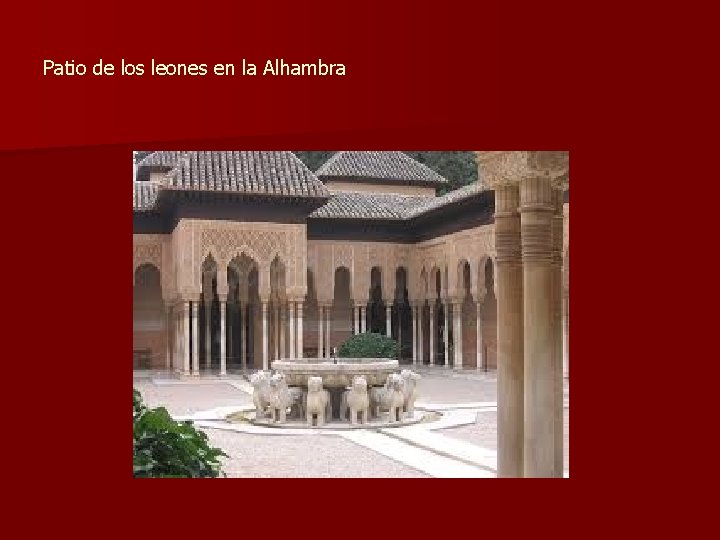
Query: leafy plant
(164,448)
(369,345)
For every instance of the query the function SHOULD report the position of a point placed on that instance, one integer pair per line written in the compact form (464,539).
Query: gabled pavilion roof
(279,173)
(390,167)
(276,173)
(364,205)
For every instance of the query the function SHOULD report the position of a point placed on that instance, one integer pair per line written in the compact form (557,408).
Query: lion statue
(317,402)
(388,398)
(280,398)
(357,400)
(409,390)
(260,381)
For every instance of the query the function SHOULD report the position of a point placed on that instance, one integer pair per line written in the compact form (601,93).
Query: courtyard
(462,442)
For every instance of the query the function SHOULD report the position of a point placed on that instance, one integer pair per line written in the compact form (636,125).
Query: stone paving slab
(428,462)
(305,456)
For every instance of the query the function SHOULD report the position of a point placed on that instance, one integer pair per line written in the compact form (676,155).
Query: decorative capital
(501,168)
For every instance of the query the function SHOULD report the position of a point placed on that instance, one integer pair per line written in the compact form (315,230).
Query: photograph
(340,314)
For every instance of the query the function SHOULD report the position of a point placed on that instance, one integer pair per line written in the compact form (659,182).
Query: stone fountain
(335,393)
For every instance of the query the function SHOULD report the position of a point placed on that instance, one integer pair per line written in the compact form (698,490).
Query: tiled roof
(346,205)
(351,205)
(431,203)
(268,172)
(388,166)
(144,195)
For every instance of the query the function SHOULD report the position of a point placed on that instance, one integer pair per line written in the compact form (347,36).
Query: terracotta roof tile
(387,166)
(261,172)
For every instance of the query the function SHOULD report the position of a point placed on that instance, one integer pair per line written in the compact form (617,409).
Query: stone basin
(336,373)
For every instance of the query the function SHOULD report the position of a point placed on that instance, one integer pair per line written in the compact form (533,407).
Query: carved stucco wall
(195,240)
(156,249)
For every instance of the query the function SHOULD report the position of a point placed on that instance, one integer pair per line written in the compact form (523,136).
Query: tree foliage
(164,448)
(369,345)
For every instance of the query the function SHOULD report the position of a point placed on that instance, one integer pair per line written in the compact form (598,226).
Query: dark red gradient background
(420,75)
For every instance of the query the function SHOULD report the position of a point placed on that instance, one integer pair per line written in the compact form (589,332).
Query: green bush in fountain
(164,448)
(369,345)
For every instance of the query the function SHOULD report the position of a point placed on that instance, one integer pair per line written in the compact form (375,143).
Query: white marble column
(291,308)
(283,329)
(566,342)
(244,318)
(479,351)
(510,370)
(276,331)
(356,316)
(458,335)
(186,338)
(433,334)
(321,329)
(328,315)
(363,319)
(300,330)
(195,325)
(415,333)
(208,333)
(223,337)
(266,363)
(557,325)
(536,212)
(177,358)
(421,340)
(446,332)
(388,319)
(168,340)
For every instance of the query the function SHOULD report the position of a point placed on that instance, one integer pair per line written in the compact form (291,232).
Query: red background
(418,77)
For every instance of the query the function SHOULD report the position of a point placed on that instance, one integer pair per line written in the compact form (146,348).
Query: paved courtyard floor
(462,443)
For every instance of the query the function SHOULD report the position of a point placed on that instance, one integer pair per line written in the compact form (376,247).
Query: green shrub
(164,448)
(369,345)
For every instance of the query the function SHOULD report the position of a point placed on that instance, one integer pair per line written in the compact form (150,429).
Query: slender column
(321,328)
(291,306)
(388,319)
(328,314)
(446,331)
(421,340)
(186,338)
(276,333)
(168,341)
(433,354)
(176,339)
(479,352)
(283,324)
(266,363)
(356,314)
(415,333)
(557,323)
(230,344)
(458,335)
(223,337)
(398,312)
(208,333)
(195,326)
(536,211)
(244,318)
(301,329)
(363,319)
(510,359)
(566,343)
